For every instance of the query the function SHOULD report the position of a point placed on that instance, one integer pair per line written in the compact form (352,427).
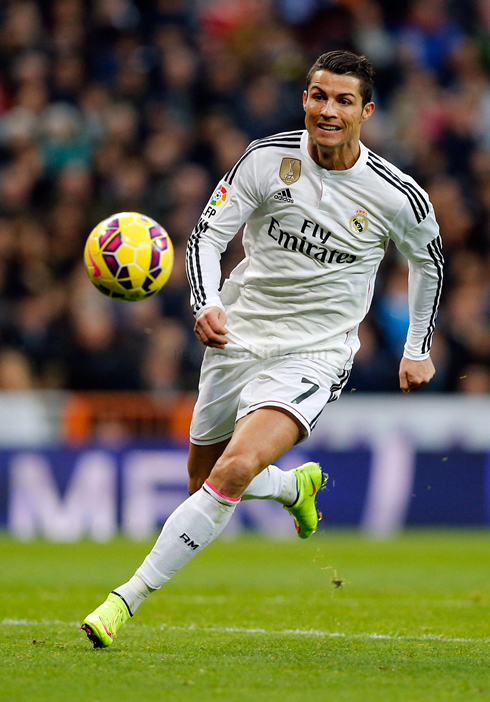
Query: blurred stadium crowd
(115,105)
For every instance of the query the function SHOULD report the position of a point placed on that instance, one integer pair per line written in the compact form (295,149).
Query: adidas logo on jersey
(284,196)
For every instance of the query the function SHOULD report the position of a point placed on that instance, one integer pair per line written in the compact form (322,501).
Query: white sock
(133,593)
(193,525)
(273,484)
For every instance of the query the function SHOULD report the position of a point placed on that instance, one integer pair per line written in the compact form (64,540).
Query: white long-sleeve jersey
(313,243)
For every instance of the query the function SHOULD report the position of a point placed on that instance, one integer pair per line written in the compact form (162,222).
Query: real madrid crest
(359,222)
(290,170)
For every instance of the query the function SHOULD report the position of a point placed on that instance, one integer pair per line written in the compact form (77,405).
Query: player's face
(334,110)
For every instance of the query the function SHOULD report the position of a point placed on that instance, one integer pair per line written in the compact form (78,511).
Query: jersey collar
(348,173)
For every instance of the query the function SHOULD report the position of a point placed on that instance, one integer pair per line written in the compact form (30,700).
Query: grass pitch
(253,619)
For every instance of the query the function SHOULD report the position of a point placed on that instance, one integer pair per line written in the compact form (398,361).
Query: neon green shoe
(310,479)
(102,625)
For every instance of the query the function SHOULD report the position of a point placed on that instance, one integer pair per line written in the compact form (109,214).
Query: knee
(235,471)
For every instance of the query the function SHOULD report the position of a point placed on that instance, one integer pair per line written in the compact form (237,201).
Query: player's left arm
(422,246)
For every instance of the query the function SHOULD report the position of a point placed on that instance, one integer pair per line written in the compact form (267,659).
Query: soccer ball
(129,256)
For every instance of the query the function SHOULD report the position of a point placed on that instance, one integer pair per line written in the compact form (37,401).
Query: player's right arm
(234,199)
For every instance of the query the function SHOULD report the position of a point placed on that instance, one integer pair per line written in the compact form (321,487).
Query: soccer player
(320,209)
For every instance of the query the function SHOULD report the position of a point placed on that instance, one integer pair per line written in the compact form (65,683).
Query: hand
(413,373)
(210,328)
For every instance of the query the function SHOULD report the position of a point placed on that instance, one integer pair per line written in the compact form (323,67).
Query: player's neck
(335,158)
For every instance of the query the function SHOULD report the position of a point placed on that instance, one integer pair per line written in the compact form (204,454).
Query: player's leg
(302,388)
(260,439)
(271,484)
(191,527)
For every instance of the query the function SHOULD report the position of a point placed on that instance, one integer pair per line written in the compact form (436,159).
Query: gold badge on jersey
(290,170)
(359,222)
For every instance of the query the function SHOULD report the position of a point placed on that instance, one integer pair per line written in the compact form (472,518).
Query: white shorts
(234,382)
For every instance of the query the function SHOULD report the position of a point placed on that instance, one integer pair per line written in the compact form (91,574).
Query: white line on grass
(29,622)
(281,632)
(326,634)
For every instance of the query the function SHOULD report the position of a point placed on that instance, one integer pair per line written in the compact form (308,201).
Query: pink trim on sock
(230,499)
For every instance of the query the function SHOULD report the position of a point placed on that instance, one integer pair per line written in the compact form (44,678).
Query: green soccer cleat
(103,624)
(310,479)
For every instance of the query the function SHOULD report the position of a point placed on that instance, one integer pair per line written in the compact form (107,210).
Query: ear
(367,111)
(305,98)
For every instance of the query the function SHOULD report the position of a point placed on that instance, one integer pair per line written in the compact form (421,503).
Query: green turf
(425,590)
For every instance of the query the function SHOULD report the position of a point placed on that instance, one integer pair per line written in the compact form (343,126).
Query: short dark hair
(346,63)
